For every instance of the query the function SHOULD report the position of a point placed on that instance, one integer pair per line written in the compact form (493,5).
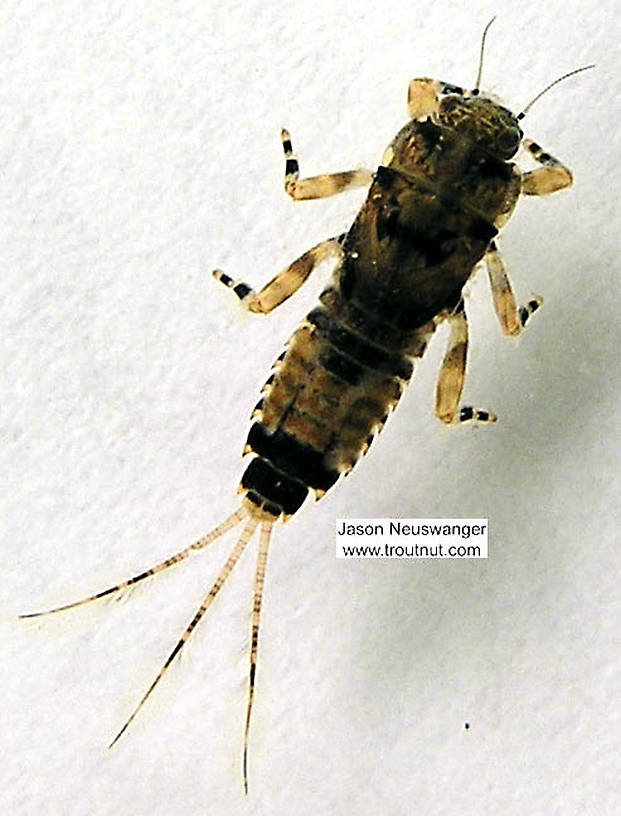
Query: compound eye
(509,140)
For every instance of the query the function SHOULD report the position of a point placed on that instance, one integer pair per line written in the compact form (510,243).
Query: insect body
(447,184)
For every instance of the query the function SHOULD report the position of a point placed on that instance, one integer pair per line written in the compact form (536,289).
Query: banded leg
(549,178)
(511,318)
(283,285)
(424,94)
(452,375)
(323,186)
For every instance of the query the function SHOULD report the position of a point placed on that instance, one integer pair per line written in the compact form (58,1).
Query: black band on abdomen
(264,481)
(287,454)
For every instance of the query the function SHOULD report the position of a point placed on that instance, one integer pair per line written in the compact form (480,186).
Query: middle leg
(511,318)
(286,283)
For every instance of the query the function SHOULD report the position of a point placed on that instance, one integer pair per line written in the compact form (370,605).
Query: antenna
(547,88)
(480,71)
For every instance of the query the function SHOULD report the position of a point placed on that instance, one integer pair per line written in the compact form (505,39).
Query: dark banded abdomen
(329,393)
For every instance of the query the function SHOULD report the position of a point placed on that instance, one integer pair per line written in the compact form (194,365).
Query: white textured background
(139,148)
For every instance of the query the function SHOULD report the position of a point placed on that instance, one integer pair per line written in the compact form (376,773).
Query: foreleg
(424,96)
(550,177)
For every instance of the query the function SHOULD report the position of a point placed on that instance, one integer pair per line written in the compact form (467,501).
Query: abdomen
(329,393)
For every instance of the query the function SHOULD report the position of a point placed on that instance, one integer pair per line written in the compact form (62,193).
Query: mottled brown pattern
(429,218)
(322,410)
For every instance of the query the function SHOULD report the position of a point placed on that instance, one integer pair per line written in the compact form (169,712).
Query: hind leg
(453,374)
